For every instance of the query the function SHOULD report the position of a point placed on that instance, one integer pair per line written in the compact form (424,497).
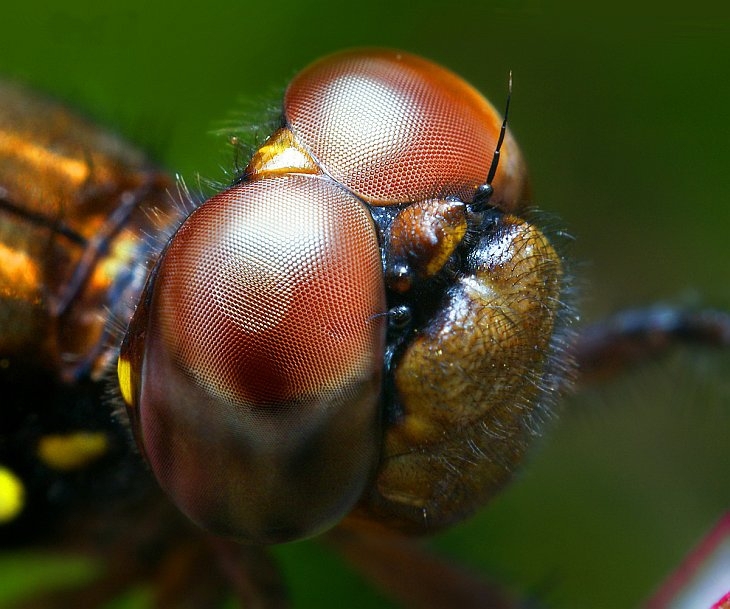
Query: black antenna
(485,191)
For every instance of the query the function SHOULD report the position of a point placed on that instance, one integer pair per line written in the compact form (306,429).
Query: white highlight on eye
(373,113)
(273,248)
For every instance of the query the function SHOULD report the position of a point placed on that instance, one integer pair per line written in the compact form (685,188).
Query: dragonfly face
(361,202)
(352,330)
(258,369)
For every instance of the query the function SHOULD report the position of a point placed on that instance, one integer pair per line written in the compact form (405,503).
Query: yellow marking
(451,238)
(19,269)
(281,154)
(121,256)
(72,451)
(40,156)
(124,374)
(12,495)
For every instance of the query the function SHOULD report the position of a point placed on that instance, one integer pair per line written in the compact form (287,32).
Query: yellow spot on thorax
(39,156)
(12,495)
(19,269)
(71,451)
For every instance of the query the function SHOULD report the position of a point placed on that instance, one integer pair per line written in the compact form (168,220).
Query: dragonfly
(359,337)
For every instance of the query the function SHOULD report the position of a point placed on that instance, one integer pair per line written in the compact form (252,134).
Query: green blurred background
(621,111)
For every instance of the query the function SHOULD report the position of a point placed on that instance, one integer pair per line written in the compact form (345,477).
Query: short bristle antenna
(485,191)
(502,132)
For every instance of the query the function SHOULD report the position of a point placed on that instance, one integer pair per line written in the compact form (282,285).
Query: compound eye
(256,362)
(396,128)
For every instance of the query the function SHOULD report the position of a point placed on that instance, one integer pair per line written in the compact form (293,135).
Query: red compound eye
(397,128)
(252,367)
(258,396)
